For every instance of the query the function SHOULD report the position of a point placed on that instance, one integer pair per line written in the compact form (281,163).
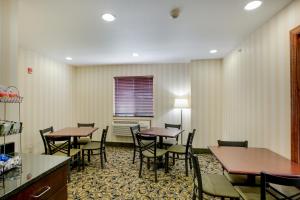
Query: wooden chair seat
(290,191)
(251,193)
(73,152)
(159,153)
(239,179)
(83,140)
(218,186)
(214,185)
(93,145)
(180,149)
(170,142)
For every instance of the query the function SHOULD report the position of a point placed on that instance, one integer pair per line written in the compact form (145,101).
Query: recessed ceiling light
(135,54)
(69,58)
(108,17)
(252,5)
(213,51)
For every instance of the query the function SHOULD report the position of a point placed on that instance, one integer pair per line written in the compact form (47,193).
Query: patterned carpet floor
(119,179)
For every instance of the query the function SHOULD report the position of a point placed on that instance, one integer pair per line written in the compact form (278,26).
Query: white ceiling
(60,28)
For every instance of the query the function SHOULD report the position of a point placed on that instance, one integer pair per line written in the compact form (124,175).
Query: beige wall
(257,85)
(94,93)
(47,97)
(8,55)
(94,96)
(207,97)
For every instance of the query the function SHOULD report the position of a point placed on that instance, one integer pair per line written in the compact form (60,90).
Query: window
(134,96)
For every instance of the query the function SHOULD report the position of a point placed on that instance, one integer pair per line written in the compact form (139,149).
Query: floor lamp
(181,103)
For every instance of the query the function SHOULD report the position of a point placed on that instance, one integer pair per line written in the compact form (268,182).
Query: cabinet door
(52,184)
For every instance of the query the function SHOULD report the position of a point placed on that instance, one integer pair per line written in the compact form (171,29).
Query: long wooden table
(253,161)
(73,132)
(161,133)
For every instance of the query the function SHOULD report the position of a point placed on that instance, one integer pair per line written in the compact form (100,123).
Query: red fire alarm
(29,70)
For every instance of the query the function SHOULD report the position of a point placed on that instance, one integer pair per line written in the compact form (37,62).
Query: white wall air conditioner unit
(122,127)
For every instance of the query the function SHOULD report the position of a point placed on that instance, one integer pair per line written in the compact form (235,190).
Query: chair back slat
(197,191)
(268,179)
(53,148)
(233,143)
(103,136)
(79,125)
(43,133)
(189,144)
(147,143)
(177,126)
(134,130)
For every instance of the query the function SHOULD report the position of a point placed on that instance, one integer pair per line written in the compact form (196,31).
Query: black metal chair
(148,149)
(214,185)
(134,130)
(96,145)
(271,184)
(185,150)
(64,148)
(272,187)
(85,140)
(171,141)
(236,179)
(43,133)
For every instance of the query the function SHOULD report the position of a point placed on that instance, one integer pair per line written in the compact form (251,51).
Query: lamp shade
(181,103)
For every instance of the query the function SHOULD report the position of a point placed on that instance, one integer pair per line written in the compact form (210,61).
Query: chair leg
(148,163)
(141,166)
(105,155)
(82,160)
(155,169)
(134,152)
(89,155)
(101,159)
(173,158)
(186,166)
(78,161)
(167,163)
(69,171)
(190,159)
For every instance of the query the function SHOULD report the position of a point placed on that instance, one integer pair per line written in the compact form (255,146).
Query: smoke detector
(175,13)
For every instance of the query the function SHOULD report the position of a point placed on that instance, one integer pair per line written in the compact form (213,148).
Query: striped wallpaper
(207,97)
(47,97)
(94,93)
(257,85)
(8,55)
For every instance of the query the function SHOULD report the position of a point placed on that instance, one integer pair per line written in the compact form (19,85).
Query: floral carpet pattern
(119,179)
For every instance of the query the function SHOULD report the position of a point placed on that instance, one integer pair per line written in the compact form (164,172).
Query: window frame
(134,115)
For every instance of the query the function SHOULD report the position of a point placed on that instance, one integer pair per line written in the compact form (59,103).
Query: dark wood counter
(39,177)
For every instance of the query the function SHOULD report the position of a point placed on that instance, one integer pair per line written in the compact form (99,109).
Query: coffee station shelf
(10,95)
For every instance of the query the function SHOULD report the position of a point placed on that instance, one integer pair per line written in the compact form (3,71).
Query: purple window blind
(134,96)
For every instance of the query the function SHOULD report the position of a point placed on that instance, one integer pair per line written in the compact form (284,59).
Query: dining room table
(162,133)
(74,132)
(252,161)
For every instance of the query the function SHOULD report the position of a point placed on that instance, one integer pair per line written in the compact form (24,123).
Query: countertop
(33,168)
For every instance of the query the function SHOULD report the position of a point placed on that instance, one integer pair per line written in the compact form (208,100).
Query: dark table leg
(161,164)
(160,142)
(75,142)
(251,179)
